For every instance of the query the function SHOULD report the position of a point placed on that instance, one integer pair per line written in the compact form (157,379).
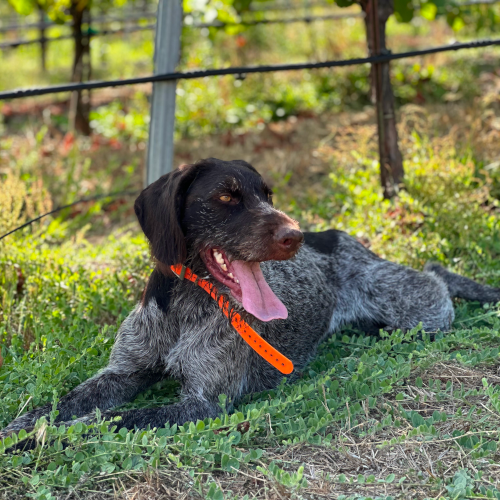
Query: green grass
(400,416)
(396,416)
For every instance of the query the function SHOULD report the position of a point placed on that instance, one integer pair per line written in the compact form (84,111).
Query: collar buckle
(182,273)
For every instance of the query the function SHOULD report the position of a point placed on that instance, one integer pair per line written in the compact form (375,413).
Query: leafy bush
(20,201)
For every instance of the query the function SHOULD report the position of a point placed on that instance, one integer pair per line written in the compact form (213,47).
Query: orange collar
(249,335)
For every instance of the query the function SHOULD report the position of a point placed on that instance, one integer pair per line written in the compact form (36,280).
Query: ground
(403,415)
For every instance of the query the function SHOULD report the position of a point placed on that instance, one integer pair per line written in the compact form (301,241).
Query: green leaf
(214,493)
(428,11)
(235,437)
(344,3)
(417,420)
(23,7)
(458,24)
(404,10)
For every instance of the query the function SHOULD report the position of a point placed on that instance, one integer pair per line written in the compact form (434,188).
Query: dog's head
(223,212)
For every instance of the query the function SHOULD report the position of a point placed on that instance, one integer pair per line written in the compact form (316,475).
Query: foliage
(457,14)
(21,201)
(59,320)
(58,10)
(55,8)
(218,104)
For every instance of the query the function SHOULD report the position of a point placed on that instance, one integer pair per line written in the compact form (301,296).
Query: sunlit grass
(63,299)
(370,418)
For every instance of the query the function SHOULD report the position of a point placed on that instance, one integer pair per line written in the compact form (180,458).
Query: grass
(400,416)
(396,416)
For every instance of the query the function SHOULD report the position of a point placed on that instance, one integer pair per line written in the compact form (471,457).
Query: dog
(217,218)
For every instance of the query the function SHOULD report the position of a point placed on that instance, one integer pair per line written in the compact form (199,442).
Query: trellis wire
(87,199)
(238,71)
(242,70)
(216,24)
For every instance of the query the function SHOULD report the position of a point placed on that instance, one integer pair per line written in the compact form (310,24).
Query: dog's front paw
(28,443)
(5,434)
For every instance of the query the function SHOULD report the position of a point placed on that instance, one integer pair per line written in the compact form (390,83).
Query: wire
(285,6)
(188,75)
(217,24)
(261,9)
(17,43)
(255,22)
(82,200)
(95,20)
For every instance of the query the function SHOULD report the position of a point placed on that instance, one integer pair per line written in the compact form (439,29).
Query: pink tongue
(258,298)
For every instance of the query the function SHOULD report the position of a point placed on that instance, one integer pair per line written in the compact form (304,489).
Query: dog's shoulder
(325,242)
(338,243)
(159,288)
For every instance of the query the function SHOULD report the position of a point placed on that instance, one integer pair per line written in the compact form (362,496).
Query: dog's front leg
(217,364)
(134,365)
(190,409)
(105,390)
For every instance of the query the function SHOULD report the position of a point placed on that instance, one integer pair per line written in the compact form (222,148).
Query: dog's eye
(225,198)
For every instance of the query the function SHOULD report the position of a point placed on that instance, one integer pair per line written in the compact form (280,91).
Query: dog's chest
(204,334)
(309,296)
(206,338)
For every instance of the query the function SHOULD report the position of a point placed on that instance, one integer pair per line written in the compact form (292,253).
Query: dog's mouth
(247,284)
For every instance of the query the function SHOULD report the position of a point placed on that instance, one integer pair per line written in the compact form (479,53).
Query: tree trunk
(43,39)
(391,161)
(80,100)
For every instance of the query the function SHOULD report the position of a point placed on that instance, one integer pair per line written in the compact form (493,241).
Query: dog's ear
(159,209)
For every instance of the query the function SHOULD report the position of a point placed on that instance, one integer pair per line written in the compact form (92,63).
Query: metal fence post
(161,128)
(379,93)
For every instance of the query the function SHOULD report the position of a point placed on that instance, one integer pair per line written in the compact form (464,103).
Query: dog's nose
(289,239)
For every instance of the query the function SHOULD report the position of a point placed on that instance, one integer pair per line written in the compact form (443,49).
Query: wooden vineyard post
(377,13)
(80,101)
(43,39)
